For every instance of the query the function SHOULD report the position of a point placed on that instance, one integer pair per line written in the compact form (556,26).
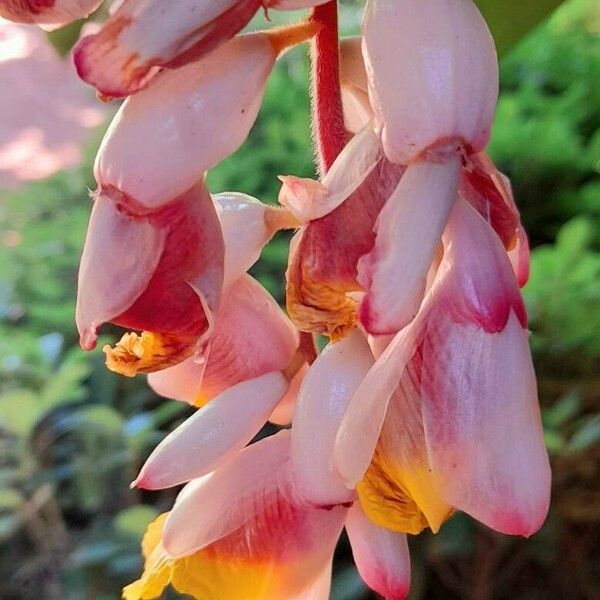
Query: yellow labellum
(318,307)
(217,572)
(147,353)
(399,499)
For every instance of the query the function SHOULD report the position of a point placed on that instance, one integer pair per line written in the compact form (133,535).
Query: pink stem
(327,114)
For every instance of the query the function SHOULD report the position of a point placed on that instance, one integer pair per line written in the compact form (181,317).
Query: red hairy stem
(327,116)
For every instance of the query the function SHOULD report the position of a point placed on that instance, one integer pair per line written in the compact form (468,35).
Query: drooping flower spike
(142,36)
(409,256)
(49,14)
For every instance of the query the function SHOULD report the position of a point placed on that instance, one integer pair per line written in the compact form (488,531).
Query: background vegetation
(72,435)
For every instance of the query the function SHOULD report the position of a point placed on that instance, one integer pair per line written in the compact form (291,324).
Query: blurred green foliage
(73,435)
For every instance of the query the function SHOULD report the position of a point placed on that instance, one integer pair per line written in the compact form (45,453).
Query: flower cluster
(409,255)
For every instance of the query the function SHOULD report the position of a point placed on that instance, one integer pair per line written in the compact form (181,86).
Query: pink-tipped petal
(175,310)
(214,434)
(245,232)
(433,75)
(249,507)
(224,497)
(381,556)
(482,424)
(49,14)
(241,533)
(165,137)
(143,35)
(361,424)
(252,336)
(480,412)
(409,228)
(475,282)
(119,258)
(302,196)
(324,397)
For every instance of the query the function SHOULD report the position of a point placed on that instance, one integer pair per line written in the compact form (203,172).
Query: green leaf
(588,435)
(133,520)
(510,20)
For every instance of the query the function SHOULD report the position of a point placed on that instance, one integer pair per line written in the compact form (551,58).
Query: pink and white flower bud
(163,139)
(160,273)
(324,396)
(480,406)
(433,76)
(49,14)
(143,35)
(214,434)
(254,539)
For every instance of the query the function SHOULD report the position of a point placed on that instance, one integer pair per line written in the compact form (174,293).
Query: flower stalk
(329,132)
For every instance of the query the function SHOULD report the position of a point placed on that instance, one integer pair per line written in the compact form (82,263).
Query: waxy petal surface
(381,556)
(361,424)
(173,303)
(47,13)
(409,229)
(433,75)
(483,426)
(247,225)
(214,434)
(143,35)
(475,280)
(480,413)
(165,137)
(265,544)
(490,193)
(399,491)
(252,336)
(119,257)
(324,397)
